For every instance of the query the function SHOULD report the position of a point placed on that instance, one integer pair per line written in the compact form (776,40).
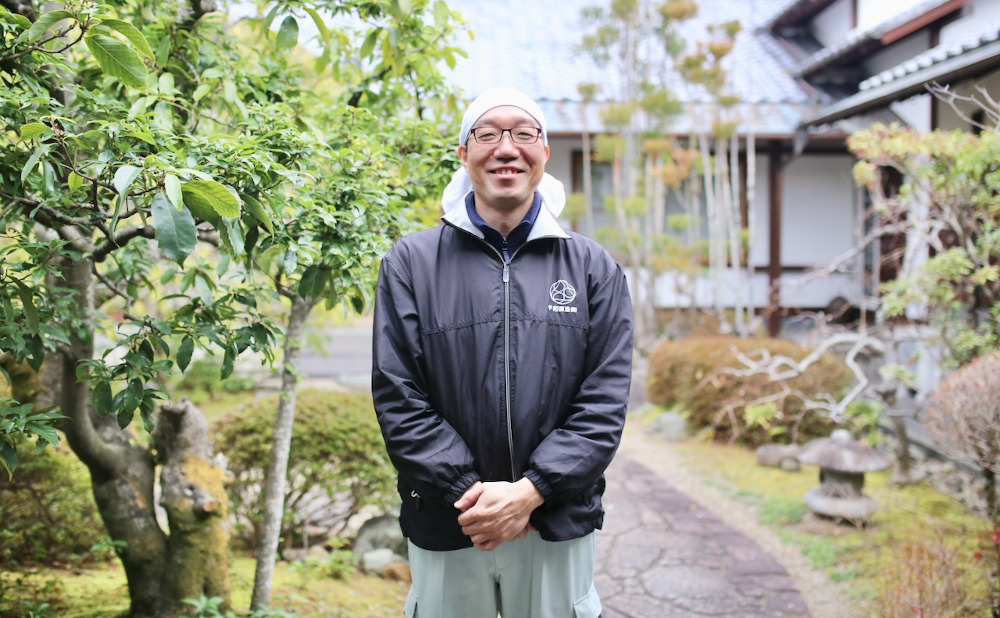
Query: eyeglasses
(518,135)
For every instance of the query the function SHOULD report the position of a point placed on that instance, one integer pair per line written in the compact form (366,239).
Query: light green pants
(526,578)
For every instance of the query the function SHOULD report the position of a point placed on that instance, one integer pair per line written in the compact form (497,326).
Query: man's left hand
(497,512)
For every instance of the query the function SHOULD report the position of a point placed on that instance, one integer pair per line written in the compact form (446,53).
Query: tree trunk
(194,496)
(122,474)
(277,471)
(588,187)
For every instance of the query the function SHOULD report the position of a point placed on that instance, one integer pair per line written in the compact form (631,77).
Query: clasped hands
(496,512)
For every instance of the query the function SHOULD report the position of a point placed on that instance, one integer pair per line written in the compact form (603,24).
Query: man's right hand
(497,512)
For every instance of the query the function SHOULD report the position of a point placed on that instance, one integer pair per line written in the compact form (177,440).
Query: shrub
(47,511)
(688,374)
(964,419)
(336,466)
(926,579)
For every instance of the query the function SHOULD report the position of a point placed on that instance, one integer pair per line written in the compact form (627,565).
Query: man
(502,361)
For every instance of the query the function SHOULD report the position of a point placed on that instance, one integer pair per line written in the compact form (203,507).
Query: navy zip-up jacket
(492,370)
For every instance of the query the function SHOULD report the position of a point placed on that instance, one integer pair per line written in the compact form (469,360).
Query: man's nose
(506,145)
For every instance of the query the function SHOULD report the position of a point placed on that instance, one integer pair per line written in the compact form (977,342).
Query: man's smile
(505,171)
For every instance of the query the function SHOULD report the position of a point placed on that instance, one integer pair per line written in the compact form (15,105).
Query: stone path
(661,555)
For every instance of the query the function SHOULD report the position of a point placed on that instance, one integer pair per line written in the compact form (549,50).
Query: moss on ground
(101,592)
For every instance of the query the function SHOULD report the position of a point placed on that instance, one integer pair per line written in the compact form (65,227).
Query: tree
(650,161)
(636,39)
(148,171)
(327,248)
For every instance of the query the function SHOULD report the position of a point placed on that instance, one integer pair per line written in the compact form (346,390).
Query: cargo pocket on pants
(589,606)
(411,605)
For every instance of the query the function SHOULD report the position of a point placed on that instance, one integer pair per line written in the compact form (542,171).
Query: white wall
(873,12)
(819,208)
(561,159)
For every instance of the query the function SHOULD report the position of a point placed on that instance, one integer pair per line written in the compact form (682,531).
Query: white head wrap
(551,190)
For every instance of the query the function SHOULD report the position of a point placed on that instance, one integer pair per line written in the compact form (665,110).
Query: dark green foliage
(689,374)
(337,463)
(47,511)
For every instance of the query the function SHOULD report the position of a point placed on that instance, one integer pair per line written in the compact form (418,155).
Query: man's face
(504,175)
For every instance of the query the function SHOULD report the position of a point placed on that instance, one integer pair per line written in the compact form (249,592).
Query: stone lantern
(842,463)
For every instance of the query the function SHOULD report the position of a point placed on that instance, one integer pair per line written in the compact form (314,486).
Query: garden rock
(378,560)
(398,572)
(784,456)
(670,426)
(381,532)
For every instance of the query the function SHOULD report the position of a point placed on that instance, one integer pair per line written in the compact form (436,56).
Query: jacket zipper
(506,363)
(506,344)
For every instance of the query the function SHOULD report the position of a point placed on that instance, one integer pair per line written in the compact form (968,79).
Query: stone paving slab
(662,555)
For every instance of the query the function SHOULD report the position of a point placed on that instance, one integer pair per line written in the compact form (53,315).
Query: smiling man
(502,361)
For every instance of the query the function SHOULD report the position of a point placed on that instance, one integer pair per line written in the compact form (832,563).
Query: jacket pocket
(589,606)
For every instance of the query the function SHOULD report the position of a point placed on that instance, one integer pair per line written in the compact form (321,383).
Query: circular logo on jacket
(562,293)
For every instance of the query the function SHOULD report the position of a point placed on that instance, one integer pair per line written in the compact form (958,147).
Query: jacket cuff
(540,484)
(461,486)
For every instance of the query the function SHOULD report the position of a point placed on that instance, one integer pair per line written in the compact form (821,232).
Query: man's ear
(463,154)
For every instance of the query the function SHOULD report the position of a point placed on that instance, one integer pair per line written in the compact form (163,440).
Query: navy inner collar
(516,238)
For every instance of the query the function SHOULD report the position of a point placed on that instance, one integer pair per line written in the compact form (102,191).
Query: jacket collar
(546,225)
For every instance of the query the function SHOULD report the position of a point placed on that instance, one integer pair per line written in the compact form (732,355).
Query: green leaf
(184,353)
(290,263)
(124,177)
(202,90)
(28,305)
(172,185)
(324,32)
(308,281)
(8,456)
(175,229)
(440,13)
(45,432)
(32,130)
(102,398)
(288,33)
(256,210)
(117,59)
(75,181)
(137,108)
(163,51)
(125,417)
(406,7)
(33,161)
(134,36)
(45,22)
(228,360)
(369,44)
(209,200)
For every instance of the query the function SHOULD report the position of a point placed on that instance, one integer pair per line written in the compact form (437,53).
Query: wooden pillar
(774,270)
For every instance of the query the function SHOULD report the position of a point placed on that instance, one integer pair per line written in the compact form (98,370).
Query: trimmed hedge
(337,464)
(47,511)
(686,374)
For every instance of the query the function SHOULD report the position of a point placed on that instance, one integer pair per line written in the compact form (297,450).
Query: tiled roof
(936,55)
(856,39)
(532,45)
(945,63)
